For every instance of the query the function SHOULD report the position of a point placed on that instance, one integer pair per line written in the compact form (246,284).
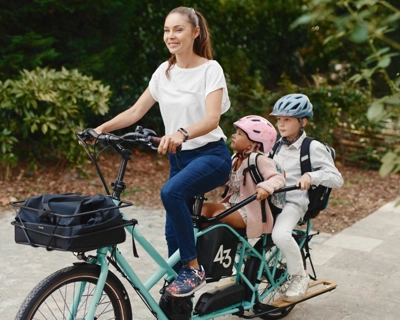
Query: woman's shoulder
(214,64)
(162,67)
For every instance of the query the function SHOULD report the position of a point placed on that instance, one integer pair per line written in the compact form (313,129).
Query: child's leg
(213,209)
(282,237)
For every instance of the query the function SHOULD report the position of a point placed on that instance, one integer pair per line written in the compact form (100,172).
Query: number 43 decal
(223,257)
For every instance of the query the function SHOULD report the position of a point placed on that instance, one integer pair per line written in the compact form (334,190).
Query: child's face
(289,127)
(240,142)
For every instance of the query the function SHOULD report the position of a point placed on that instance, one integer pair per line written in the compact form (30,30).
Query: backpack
(275,201)
(318,196)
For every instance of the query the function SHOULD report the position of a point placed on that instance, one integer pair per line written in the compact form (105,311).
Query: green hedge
(43,109)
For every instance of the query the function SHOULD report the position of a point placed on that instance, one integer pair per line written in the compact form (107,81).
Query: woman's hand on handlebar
(93,141)
(170,143)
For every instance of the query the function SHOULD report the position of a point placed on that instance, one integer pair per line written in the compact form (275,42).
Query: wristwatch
(185,133)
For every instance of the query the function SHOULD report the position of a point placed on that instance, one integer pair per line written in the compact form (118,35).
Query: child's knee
(281,238)
(207,210)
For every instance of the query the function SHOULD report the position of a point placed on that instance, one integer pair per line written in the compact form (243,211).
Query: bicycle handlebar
(142,136)
(243,203)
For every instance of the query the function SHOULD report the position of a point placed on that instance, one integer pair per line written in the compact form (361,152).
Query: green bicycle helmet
(293,105)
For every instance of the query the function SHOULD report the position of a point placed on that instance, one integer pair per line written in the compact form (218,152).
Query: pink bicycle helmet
(258,129)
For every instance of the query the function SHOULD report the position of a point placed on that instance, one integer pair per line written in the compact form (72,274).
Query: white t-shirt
(182,97)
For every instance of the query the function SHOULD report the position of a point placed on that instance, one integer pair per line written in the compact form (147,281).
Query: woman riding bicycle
(192,94)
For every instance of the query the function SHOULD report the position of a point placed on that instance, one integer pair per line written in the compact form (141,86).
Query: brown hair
(202,44)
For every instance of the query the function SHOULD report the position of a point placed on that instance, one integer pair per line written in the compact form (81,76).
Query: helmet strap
(245,153)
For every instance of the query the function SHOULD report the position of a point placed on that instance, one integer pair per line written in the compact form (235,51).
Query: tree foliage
(43,109)
(263,51)
(372,26)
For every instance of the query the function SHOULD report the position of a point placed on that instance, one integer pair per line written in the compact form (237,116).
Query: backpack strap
(253,169)
(227,187)
(274,148)
(257,178)
(305,162)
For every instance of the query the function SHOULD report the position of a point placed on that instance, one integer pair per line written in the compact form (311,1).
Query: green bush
(43,109)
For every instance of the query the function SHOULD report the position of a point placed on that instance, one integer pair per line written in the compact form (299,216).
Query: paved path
(364,260)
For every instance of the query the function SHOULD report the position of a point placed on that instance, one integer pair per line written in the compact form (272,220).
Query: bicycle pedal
(314,289)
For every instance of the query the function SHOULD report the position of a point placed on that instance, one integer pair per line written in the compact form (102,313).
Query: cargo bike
(248,277)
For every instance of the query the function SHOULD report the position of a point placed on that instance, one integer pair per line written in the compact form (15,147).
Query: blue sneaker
(188,281)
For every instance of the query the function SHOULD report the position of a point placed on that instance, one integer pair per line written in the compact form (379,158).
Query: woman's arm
(213,115)
(130,116)
(169,143)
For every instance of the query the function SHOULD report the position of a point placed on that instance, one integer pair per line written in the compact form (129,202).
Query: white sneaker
(297,288)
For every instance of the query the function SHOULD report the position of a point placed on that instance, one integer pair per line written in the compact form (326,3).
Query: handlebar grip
(286,189)
(92,133)
(87,135)
(156,142)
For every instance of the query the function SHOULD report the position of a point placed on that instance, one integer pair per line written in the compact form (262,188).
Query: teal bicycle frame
(166,271)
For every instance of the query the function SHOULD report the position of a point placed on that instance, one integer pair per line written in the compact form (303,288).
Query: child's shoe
(297,288)
(188,281)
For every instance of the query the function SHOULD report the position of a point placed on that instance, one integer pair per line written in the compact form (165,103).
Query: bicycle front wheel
(54,297)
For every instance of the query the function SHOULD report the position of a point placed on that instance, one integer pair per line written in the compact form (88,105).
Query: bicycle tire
(51,298)
(251,271)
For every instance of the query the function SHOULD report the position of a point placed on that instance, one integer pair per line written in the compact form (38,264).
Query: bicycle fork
(101,259)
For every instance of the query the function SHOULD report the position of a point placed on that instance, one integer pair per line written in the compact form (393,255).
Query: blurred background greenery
(68,65)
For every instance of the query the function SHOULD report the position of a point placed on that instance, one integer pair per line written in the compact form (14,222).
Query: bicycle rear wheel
(53,297)
(274,256)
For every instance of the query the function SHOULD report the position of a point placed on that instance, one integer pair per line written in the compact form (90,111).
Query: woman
(192,94)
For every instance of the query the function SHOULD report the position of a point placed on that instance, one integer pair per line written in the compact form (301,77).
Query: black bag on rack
(69,222)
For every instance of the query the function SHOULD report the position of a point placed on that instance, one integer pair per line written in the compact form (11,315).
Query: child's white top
(324,170)
(182,97)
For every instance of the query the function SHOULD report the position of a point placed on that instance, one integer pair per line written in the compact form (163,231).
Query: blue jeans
(192,173)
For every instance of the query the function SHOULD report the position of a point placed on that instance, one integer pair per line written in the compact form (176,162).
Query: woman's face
(240,142)
(179,33)
(289,127)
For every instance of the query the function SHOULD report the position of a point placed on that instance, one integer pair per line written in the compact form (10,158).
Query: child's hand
(261,194)
(304,182)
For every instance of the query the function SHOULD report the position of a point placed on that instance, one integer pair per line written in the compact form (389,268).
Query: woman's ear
(196,32)
(304,122)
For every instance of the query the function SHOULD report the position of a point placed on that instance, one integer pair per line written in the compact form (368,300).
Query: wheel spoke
(55,296)
(274,268)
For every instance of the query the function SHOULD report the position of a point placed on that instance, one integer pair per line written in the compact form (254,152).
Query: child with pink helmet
(253,134)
